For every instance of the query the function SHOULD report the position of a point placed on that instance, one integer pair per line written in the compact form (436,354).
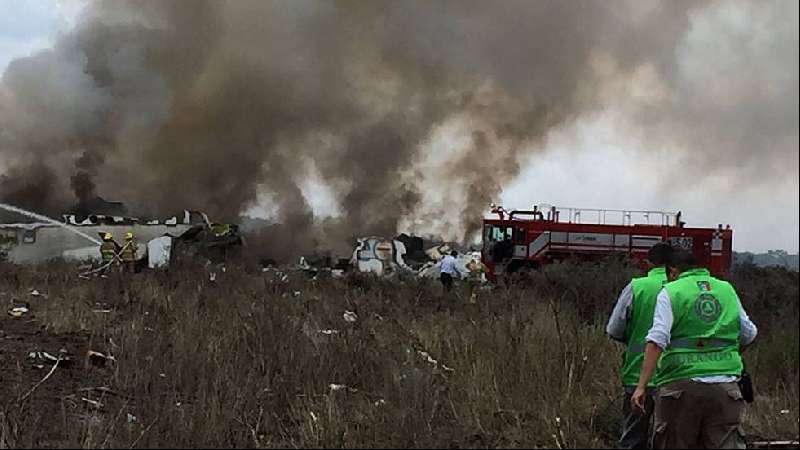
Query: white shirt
(448,266)
(621,314)
(659,333)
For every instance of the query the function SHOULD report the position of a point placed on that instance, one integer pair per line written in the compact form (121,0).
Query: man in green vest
(694,348)
(629,323)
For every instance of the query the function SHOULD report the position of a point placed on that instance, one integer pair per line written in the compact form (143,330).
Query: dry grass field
(254,360)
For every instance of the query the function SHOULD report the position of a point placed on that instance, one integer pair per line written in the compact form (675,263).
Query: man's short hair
(454,253)
(659,254)
(682,259)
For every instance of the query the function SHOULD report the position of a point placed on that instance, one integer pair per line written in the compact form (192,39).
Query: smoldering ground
(207,104)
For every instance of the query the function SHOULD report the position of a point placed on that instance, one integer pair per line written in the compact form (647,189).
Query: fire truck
(522,240)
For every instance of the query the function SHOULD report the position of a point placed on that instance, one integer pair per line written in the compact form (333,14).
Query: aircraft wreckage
(160,241)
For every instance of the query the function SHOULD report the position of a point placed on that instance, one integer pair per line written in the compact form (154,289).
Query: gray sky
(598,161)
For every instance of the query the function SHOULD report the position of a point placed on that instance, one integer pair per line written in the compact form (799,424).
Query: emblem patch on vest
(707,308)
(704,286)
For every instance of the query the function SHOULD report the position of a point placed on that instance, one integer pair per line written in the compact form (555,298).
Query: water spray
(33,215)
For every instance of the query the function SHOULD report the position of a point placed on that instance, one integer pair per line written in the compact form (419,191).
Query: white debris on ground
(18,311)
(429,359)
(340,387)
(328,332)
(349,316)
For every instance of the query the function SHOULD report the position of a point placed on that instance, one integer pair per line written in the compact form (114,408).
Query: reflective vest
(129,251)
(704,339)
(645,290)
(107,251)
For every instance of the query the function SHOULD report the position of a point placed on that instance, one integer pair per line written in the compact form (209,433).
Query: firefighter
(694,347)
(108,251)
(129,253)
(476,277)
(629,323)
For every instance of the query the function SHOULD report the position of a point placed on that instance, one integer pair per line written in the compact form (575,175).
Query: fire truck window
(497,234)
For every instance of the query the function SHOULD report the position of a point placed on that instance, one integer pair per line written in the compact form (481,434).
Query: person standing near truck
(629,323)
(448,271)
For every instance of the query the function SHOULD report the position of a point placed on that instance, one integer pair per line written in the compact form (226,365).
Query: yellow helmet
(129,235)
(107,236)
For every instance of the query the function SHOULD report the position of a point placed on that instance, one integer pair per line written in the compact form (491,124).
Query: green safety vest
(645,290)
(705,331)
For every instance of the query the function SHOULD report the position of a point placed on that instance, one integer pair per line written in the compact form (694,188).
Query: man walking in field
(629,323)
(694,348)
(448,271)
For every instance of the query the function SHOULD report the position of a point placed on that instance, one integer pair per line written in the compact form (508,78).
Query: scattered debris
(47,358)
(784,411)
(328,332)
(99,359)
(350,316)
(93,403)
(102,308)
(339,387)
(132,418)
(380,402)
(435,363)
(19,310)
(36,293)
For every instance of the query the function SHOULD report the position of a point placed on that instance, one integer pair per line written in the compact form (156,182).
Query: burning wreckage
(192,236)
(407,255)
(160,242)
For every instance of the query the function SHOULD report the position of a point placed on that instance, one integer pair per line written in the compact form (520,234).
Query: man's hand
(638,399)
(651,354)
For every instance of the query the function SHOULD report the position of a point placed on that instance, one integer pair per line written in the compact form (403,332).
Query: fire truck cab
(521,240)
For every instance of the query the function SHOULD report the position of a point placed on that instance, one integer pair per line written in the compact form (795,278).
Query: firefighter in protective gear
(108,252)
(476,276)
(129,253)
(694,348)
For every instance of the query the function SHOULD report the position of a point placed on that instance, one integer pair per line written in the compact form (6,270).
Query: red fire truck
(518,241)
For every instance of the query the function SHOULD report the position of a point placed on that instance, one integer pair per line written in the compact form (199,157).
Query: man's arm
(747,329)
(651,354)
(657,340)
(620,315)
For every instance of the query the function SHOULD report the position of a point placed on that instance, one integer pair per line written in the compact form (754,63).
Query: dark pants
(447,281)
(690,414)
(635,427)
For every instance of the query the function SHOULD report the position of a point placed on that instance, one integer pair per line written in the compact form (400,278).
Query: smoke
(210,104)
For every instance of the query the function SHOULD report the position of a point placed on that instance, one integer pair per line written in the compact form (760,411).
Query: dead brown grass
(251,361)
